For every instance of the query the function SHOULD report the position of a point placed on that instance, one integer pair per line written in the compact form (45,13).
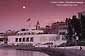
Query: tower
(37,25)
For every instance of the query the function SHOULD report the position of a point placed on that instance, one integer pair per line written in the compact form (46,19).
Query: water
(13,52)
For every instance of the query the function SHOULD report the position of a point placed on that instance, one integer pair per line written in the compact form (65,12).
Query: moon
(23,6)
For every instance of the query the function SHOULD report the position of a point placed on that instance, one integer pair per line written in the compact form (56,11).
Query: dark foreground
(57,51)
(14,52)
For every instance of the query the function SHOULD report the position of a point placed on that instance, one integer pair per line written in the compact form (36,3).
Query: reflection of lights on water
(24,6)
(66,4)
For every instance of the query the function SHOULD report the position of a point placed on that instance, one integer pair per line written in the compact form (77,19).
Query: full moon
(23,7)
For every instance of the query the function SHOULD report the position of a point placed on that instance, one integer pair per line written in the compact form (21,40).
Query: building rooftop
(31,31)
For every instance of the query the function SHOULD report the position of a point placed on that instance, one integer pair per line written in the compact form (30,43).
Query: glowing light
(24,7)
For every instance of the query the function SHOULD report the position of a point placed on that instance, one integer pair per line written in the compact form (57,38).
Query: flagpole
(29,25)
(29,21)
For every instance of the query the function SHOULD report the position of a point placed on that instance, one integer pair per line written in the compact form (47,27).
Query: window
(21,33)
(57,38)
(31,39)
(16,40)
(29,33)
(18,34)
(24,33)
(23,39)
(40,33)
(27,39)
(62,33)
(33,33)
(19,39)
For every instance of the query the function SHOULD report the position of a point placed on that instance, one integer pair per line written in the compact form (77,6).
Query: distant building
(54,27)
(47,29)
(37,25)
(3,38)
(59,28)
(62,30)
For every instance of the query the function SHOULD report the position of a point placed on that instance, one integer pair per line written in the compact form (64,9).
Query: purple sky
(13,16)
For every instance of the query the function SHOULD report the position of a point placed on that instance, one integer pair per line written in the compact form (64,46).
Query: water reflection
(12,52)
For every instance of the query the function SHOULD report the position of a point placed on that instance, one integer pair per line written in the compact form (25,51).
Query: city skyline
(14,13)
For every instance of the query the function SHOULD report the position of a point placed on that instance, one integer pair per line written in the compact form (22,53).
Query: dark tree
(70,32)
(74,30)
(75,22)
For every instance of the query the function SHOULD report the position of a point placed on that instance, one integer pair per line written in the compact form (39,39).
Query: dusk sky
(14,13)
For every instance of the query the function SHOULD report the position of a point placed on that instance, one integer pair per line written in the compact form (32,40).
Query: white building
(34,37)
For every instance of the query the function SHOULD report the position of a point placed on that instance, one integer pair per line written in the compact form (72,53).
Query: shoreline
(58,51)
